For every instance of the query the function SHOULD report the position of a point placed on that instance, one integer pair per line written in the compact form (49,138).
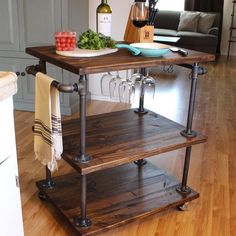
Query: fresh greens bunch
(92,40)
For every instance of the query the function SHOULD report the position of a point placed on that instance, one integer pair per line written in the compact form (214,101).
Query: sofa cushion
(188,21)
(192,34)
(167,19)
(192,38)
(205,22)
(165,32)
(187,37)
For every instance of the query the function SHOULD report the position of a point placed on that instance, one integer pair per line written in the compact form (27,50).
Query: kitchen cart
(113,183)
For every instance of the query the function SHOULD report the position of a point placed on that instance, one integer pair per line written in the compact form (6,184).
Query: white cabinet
(28,23)
(10,203)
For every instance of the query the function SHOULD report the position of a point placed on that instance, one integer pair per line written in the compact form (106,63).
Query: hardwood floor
(212,168)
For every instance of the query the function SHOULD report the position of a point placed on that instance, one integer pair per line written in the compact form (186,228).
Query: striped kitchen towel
(48,145)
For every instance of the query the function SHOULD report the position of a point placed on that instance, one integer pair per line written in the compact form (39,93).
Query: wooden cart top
(120,60)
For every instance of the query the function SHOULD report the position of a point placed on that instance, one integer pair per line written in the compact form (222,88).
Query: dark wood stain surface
(121,137)
(121,60)
(116,196)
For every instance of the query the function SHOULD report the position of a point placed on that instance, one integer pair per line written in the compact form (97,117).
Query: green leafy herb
(92,40)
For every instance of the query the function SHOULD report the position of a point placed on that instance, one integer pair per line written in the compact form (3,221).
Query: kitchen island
(108,190)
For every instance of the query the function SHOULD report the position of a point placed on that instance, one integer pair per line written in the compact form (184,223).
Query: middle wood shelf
(121,137)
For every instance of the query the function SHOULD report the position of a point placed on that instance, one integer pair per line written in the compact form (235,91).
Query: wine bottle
(104,13)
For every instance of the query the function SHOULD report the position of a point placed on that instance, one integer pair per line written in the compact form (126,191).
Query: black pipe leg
(184,188)
(83,158)
(188,132)
(141,109)
(83,221)
(48,182)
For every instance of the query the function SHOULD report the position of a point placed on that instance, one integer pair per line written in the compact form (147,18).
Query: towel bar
(65,88)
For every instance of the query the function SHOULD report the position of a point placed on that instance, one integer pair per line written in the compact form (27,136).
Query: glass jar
(65,40)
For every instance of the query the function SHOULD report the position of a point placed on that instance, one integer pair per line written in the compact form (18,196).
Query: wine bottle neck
(104,1)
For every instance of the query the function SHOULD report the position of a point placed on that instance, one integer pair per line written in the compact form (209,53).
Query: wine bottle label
(104,24)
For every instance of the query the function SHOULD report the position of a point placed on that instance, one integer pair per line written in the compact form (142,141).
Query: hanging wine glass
(136,77)
(105,80)
(113,84)
(139,13)
(126,90)
(149,83)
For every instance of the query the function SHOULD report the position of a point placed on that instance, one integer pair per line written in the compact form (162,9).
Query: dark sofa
(167,22)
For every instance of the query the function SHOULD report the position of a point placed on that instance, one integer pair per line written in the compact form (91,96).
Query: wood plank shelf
(121,137)
(116,196)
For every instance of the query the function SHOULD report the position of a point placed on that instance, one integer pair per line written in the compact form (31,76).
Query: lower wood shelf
(116,196)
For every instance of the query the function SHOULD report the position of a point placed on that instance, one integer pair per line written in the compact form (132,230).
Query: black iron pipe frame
(140,162)
(41,67)
(81,87)
(201,70)
(141,109)
(48,183)
(188,132)
(82,220)
(65,88)
(183,188)
(83,158)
